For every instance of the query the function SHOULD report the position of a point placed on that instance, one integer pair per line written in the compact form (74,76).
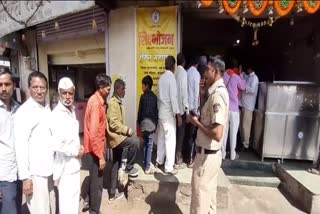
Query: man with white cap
(68,151)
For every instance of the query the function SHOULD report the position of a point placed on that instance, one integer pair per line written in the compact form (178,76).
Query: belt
(206,151)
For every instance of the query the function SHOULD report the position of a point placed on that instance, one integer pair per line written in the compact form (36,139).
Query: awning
(17,15)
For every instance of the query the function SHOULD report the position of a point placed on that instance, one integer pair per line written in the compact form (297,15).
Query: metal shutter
(72,26)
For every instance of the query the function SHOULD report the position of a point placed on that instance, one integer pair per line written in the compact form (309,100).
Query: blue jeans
(147,149)
(9,197)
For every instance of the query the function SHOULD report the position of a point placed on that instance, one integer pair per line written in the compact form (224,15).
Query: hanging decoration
(221,9)
(43,34)
(255,41)
(257,7)
(231,6)
(56,26)
(299,6)
(245,6)
(94,24)
(244,22)
(311,6)
(206,3)
(283,7)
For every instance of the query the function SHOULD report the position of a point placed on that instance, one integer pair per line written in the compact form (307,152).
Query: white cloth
(182,89)
(69,193)
(8,164)
(33,140)
(232,128)
(65,129)
(193,88)
(249,95)
(166,143)
(39,201)
(167,96)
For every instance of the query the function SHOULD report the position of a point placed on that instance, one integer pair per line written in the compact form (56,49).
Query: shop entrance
(83,76)
(287,51)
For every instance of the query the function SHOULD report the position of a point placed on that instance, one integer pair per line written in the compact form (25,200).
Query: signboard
(35,12)
(156,39)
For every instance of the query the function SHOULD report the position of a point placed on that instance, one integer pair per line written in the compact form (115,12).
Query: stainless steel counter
(286,123)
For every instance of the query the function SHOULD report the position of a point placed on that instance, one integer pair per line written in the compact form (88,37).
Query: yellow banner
(156,39)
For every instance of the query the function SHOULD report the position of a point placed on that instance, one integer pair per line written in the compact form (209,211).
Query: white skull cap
(65,83)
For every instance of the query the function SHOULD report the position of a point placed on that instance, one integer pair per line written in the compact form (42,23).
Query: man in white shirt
(8,165)
(168,110)
(194,103)
(247,103)
(182,95)
(34,145)
(68,151)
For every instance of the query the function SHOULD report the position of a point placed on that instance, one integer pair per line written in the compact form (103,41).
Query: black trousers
(190,136)
(125,150)
(96,184)
(180,146)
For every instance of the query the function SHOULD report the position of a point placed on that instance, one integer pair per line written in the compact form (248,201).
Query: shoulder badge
(216,107)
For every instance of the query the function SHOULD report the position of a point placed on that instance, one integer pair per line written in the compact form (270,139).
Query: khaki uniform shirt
(215,110)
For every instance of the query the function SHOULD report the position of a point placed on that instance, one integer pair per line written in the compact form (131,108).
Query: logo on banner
(155,17)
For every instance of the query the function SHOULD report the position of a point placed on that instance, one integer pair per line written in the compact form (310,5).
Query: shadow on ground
(164,199)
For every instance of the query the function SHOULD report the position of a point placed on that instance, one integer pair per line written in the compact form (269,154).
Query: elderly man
(95,139)
(124,145)
(214,117)
(8,165)
(34,145)
(68,150)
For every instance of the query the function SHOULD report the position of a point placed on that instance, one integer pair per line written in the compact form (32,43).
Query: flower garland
(311,6)
(231,6)
(257,7)
(206,3)
(283,7)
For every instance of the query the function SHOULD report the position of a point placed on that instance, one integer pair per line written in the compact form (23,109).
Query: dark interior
(287,51)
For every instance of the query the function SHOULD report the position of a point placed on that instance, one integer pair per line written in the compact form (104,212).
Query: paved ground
(296,168)
(245,200)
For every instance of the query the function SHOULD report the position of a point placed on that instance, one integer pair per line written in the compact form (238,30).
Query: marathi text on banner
(156,39)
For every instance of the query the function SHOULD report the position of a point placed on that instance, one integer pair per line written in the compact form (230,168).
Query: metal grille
(72,26)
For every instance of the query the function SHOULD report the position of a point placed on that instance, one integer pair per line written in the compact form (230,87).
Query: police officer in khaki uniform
(214,116)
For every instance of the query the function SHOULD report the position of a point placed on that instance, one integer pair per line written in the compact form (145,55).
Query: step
(251,173)
(302,187)
(166,190)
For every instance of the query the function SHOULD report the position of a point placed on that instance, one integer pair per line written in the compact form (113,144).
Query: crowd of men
(40,148)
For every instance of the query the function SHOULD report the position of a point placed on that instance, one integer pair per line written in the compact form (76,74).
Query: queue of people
(191,117)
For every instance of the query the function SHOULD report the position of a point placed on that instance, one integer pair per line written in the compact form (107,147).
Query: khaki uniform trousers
(204,183)
(245,126)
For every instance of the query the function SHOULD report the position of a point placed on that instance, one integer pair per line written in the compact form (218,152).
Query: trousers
(245,126)
(231,128)
(42,200)
(204,183)
(166,143)
(69,193)
(8,191)
(96,184)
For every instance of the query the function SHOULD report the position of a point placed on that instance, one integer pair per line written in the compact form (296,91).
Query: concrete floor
(245,200)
